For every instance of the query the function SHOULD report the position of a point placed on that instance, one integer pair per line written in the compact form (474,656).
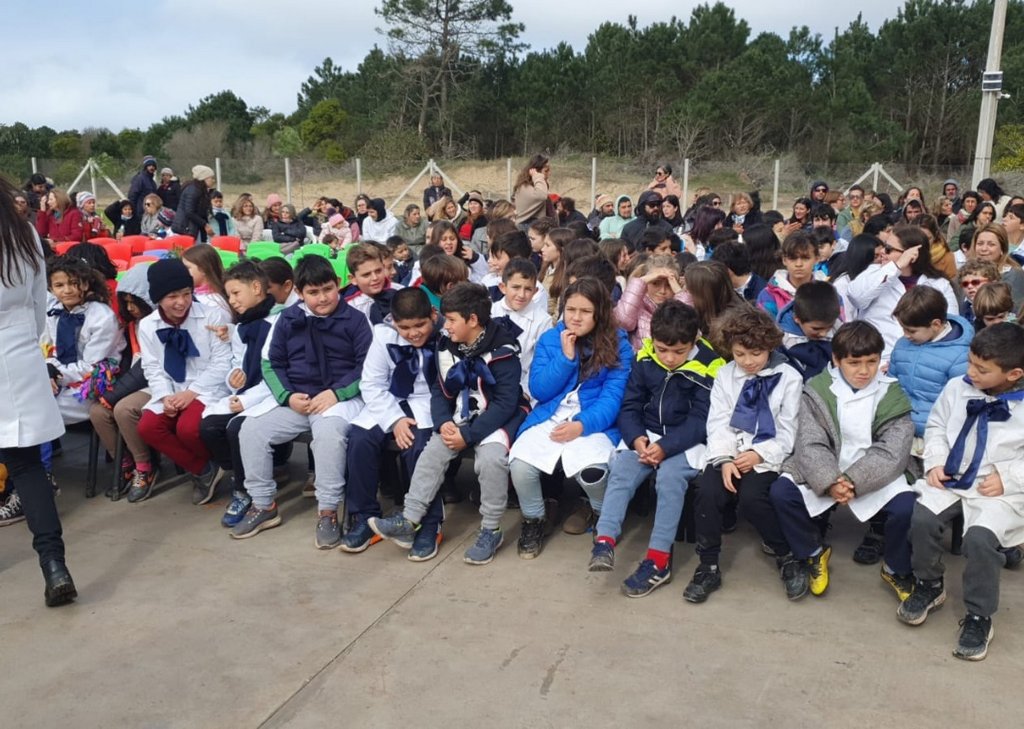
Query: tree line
(454,80)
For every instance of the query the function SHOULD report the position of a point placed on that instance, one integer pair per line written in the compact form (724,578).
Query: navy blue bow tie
(980,412)
(407,367)
(463,376)
(178,346)
(68,326)
(753,413)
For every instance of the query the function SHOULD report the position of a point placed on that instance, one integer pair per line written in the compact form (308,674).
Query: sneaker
(531,538)
(602,557)
(425,545)
(240,503)
(581,520)
(11,512)
(902,585)
(483,549)
(646,579)
(794,576)
(396,527)
(817,570)
(925,597)
(328,531)
(205,484)
(975,635)
(359,537)
(706,579)
(1014,556)
(255,521)
(141,486)
(309,487)
(870,549)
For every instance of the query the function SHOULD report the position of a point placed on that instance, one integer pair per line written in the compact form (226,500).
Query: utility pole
(991,92)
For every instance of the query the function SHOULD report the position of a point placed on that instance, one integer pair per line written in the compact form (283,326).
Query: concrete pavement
(177,625)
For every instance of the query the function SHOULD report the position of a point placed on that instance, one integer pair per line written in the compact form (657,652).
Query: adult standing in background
(170,189)
(664,184)
(30,416)
(143,184)
(530,192)
(193,215)
(435,192)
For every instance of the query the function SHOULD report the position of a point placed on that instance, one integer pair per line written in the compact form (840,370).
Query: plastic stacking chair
(228,258)
(227,243)
(136,260)
(312,249)
(263,249)
(117,250)
(137,242)
(178,241)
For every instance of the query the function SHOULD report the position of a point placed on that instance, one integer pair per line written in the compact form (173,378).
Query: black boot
(60,588)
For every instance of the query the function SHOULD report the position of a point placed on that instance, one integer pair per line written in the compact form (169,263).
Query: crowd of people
(747,363)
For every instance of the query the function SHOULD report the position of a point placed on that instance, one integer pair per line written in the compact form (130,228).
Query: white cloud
(131,70)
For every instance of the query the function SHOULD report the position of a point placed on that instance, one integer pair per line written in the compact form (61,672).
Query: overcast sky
(115,64)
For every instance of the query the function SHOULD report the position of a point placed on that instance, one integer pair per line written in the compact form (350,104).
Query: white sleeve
(99,335)
(210,381)
(936,443)
(867,286)
(160,383)
(237,355)
(375,385)
(721,438)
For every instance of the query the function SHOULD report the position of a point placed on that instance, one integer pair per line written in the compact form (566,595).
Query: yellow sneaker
(901,585)
(819,571)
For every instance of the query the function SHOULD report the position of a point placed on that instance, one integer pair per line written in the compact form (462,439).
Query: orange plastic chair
(62,248)
(227,243)
(158,244)
(103,241)
(118,251)
(137,242)
(119,264)
(177,241)
(136,260)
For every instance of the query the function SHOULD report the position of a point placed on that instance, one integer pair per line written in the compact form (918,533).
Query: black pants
(220,434)
(25,468)
(754,505)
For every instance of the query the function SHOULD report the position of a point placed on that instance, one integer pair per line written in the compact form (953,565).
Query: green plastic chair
(341,268)
(261,249)
(310,249)
(228,258)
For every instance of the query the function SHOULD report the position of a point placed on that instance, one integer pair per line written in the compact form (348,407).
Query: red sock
(660,559)
(143,467)
(607,540)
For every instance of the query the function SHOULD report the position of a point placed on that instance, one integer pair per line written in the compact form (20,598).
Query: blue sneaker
(483,549)
(255,521)
(646,579)
(424,546)
(240,503)
(602,557)
(358,537)
(396,527)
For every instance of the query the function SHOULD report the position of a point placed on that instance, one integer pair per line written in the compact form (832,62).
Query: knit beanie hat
(336,220)
(272,199)
(83,198)
(202,172)
(603,200)
(148,160)
(166,276)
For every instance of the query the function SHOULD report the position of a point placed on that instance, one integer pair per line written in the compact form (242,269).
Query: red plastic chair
(158,244)
(136,260)
(103,241)
(119,264)
(177,241)
(62,248)
(119,251)
(227,243)
(137,242)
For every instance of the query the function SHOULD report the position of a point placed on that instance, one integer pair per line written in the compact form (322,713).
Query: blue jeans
(526,480)
(671,481)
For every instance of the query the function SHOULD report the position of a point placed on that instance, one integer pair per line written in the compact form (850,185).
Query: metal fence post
(35,167)
(593,181)
(288,179)
(216,167)
(685,202)
(359,176)
(775,188)
(508,174)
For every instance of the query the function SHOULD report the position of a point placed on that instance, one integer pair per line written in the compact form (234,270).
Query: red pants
(177,437)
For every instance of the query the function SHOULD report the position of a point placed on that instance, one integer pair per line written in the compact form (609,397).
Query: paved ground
(179,626)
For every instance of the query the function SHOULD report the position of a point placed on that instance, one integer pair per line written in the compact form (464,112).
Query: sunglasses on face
(821,189)
(972,283)
(889,249)
(716,203)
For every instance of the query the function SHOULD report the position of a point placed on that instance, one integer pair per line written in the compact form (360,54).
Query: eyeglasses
(972,283)
(716,203)
(821,189)
(652,205)
(660,172)
(889,249)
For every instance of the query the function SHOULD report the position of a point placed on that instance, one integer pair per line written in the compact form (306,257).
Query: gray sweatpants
(981,548)
(490,462)
(281,425)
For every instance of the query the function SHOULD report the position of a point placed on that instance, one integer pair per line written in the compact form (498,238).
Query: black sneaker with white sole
(926,596)
(975,635)
(706,579)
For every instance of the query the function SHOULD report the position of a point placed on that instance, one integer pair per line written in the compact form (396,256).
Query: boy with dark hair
(476,403)
(736,258)
(974,465)
(751,428)
(799,254)
(808,323)
(370,289)
(597,267)
(662,421)
(508,247)
(403,258)
(313,364)
(397,376)
(825,243)
(438,273)
(246,287)
(852,447)
(655,241)
(525,321)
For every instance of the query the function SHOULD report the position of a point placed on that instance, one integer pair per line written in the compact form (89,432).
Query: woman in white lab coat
(30,416)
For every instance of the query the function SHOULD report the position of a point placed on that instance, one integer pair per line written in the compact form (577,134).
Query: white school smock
(381,407)
(257,399)
(536,447)
(533,320)
(1004,452)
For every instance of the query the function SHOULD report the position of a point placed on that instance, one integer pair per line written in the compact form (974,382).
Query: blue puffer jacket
(924,369)
(553,376)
